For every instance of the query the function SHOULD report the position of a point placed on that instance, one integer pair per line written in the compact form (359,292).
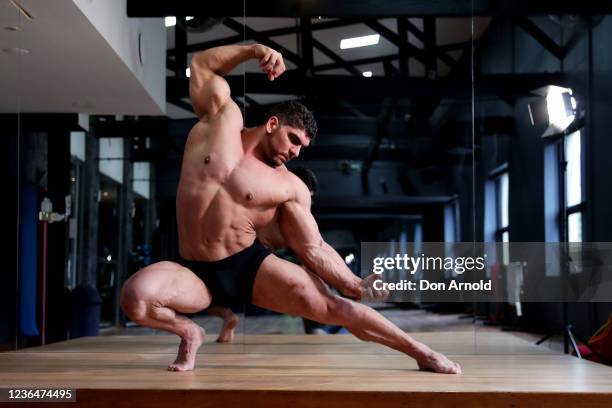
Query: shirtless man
(233,182)
(271,237)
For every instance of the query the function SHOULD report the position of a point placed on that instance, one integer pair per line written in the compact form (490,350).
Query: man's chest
(256,185)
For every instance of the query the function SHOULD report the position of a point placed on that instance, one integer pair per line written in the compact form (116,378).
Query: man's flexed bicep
(301,232)
(208,91)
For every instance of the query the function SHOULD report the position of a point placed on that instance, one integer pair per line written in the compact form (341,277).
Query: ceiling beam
(434,157)
(541,37)
(357,62)
(182,104)
(429,31)
(243,29)
(291,83)
(179,65)
(335,57)
(364,8)
(383,120)
(394,38)
(267,33)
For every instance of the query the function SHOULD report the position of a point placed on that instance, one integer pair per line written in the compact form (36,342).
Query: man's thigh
(285,287)
(169,284)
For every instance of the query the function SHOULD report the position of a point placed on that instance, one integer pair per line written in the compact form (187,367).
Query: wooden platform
(500,370)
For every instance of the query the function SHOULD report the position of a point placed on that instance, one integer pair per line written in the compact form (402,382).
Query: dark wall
(599,140)
(8,275)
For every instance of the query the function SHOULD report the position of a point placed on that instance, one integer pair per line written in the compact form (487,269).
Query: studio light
(556,110)
(559,107)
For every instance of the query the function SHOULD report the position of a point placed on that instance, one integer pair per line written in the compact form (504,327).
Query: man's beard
(273,162)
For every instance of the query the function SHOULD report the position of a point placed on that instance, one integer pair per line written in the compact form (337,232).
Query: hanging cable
(19,36)
(244,64)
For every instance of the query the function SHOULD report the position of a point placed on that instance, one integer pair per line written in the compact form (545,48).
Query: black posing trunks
(231,280)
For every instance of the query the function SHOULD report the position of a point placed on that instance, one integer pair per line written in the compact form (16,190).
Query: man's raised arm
(207,88)
(300,229)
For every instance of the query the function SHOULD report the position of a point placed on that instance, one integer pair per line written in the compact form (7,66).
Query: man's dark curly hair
(307,176)
(296,115)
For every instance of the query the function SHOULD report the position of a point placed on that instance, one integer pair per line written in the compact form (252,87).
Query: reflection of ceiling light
(367,74)
(105,194)
(359,41)
(109,258)
(73,179)
(188,72)
(349,259)
(170,21)
(188,18)
(16,50)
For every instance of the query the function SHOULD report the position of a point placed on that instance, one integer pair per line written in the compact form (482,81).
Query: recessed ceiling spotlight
(359,41)
(16,50)
(367,74)
(170,21)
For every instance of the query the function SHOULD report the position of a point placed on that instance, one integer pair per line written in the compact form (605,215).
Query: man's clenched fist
(270,61)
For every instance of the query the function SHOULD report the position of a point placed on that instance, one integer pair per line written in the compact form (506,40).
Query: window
(574,204)
(502,231)
(497,214)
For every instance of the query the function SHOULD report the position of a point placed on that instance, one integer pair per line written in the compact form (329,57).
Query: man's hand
(270,61)
(368,293)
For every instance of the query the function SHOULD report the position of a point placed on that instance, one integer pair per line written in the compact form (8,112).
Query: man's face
(284,142)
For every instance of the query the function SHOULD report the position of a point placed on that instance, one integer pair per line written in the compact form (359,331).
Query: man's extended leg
(229,322)
(153,296)
(285,287)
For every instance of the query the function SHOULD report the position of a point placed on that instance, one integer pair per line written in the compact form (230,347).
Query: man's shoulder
(299,190)
(226,122)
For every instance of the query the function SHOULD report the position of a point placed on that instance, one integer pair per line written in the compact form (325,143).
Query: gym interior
(466,124)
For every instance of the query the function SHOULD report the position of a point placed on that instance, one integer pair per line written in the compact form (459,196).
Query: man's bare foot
(227,332)
(436,362)
(188,349)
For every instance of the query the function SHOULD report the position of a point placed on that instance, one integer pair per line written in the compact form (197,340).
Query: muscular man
(271,237)
(233,182)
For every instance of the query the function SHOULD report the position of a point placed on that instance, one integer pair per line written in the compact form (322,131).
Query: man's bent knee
(307,303)
(134,297)
(323,308)
(339,311)
(133,305)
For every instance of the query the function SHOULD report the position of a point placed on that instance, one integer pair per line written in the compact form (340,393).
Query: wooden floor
(500,370)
